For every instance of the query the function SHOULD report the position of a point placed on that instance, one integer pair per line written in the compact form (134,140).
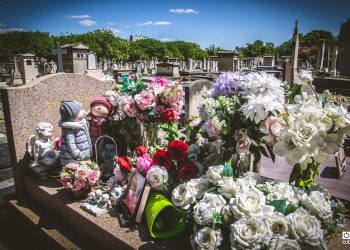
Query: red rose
(167,115)
(124,164)
(160,158)
(141,150)
(188,171)
(177,150)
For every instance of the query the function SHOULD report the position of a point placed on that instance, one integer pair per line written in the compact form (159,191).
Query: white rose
(206,208)
(207,239)
(305,227)
(278,223)
(214,173)
(157,177)
(317,205)
(250,201)
(281,243)
(183,196)
(249,233)
(227,187)
(198,186)
(280,190)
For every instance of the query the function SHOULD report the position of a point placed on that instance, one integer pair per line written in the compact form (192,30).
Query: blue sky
(227,23)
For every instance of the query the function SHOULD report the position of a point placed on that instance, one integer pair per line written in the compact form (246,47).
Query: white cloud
(11,30)
(78,16)
(87,22)
(126,26)
(166,39)
(151,23)
(111,23)
(183,11)
(114,30)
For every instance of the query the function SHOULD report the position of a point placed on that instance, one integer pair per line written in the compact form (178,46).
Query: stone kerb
(39,101)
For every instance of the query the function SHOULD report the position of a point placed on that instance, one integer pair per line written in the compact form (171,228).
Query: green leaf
(280,205)
(272,155)
(294,175)
(212,190)
(217,218)
(263,151)
(341,210)
(290,209)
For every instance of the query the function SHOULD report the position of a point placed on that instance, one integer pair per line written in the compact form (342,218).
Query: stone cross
(59,52)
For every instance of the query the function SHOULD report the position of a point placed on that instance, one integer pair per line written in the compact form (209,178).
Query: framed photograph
(134,192)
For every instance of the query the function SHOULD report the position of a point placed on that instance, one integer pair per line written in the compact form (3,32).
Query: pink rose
(159,109)
(212,127)
(141,117)
(272,126)
(79,184)
(67,185)
(130,108)
(72,166)
(82,173)
(93,178)
(119,175)
(143,163)
(65,177)
(145,100)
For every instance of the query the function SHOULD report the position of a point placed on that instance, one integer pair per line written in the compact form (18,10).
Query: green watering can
(163,219)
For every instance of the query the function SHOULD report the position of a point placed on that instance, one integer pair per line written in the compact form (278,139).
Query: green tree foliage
(213,50)
(16,42)
(258,48)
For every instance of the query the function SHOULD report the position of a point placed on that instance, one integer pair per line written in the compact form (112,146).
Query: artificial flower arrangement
(80,177)
(234,110)
(311,129)
(251,212)
(156,104)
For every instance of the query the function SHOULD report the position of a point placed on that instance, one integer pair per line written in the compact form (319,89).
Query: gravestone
(92,60)
(194,95)
(59,52)
(343,63)
(26,106)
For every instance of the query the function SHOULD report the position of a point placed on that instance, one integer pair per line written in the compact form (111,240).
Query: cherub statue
(39,147)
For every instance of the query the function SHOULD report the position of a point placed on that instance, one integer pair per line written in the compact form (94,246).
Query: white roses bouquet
(260,213)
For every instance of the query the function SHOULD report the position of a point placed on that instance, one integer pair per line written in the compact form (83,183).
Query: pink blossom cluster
(79,176)
(159,101)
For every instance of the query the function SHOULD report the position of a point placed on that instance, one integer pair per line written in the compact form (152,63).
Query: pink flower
(82,173)
(141,117)
(67,185)
(132,76)
(79,184)
(159,109)
(130,109)
(119,175)
(72,166)
(159,81)
(93,177)
(212,127)
(143,163)
(272,126)
(65,177)
(145,100)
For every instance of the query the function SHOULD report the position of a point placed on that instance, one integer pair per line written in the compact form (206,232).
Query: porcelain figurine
(76,142)
(39,147)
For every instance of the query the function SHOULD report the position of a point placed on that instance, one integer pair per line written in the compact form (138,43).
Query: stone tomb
(193,95)
(26,106)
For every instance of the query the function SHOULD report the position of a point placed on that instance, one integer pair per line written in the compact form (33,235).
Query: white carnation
(205,210)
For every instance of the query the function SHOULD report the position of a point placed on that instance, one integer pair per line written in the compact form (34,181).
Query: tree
(213,50)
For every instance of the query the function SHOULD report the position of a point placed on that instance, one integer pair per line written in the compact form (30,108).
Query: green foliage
(258,48)
(213,50)
(103,42)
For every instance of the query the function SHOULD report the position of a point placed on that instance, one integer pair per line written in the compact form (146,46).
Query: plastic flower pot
(164,220)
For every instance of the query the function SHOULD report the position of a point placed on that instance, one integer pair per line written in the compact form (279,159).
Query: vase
(82,193)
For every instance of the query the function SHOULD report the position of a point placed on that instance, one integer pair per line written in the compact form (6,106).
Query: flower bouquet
(314,128)
(251,212)
(80,177)
(234,110)
(155,105)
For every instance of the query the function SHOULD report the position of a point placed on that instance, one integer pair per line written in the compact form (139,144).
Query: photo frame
(136,195)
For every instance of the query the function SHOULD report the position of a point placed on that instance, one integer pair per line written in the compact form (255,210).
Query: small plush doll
(76,143)
(100,109)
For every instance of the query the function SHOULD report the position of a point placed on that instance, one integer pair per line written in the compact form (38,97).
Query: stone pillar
(334,59)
